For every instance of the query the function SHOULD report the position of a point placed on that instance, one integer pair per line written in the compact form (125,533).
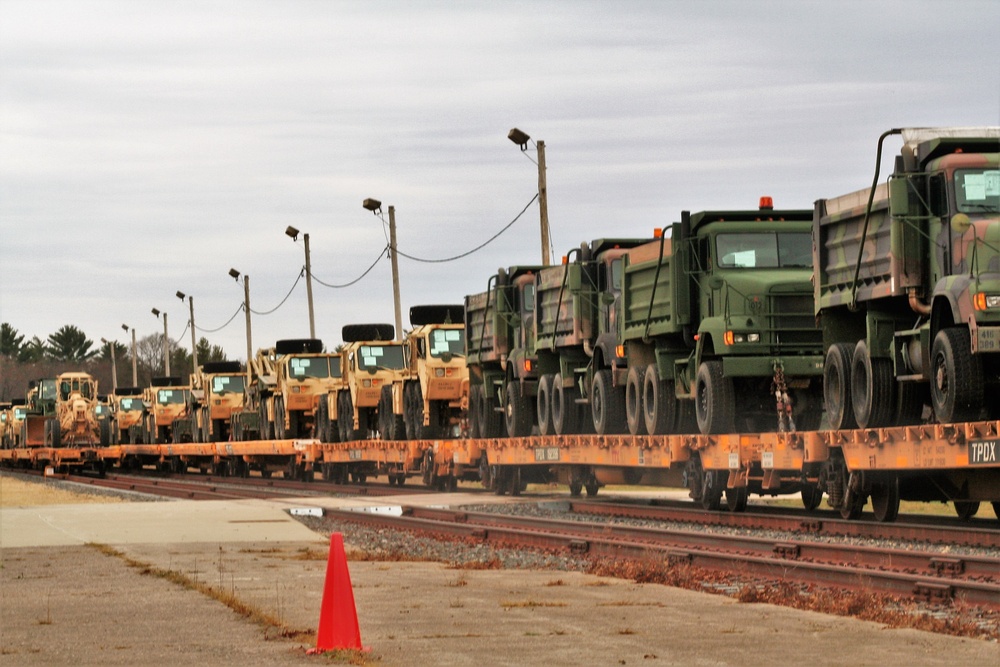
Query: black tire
(565,409)
(966,509)
(837,387)
(812,496)
(491,422)
(475,395)
(346,419)
(885,499)
(279,419)
(544,405)
(736,498)
(391,425)
(957,387)
(433,429)
(607,405)
(54,433)
(634,413)
(104,429)
(873,388)
(715,400)
(807,410)
(661,411)
(517,412)
(711,490)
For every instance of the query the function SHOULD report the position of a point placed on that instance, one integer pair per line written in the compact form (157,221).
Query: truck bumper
(798,366)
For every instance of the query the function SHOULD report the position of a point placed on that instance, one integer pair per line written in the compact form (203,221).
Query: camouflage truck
(499,341)
(907,286)
(723,309)
(369,361)
(576,342)
(167,400)
(217,392)
(430,399)
(128,408)
(75,420)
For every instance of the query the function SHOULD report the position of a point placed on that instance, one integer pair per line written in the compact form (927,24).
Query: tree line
(23,360)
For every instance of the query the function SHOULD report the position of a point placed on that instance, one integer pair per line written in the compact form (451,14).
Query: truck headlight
(731,337)
(984,301)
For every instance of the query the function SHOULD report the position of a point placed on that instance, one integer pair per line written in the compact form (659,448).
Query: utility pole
(543,204)
(395,272)
(309,288)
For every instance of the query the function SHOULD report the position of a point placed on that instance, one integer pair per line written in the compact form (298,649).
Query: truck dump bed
(641,284)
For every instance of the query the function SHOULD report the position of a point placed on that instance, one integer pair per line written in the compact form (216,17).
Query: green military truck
(723,309)
(581,367)
(907,286)
(499,339)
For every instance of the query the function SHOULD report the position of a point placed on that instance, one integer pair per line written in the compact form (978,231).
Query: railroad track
(931,577)
(982,533)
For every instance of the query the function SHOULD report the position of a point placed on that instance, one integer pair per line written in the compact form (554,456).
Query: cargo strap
(783,402)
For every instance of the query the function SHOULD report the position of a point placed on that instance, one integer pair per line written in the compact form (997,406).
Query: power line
(381,254)
(479,247)
(268,312)
(203,330)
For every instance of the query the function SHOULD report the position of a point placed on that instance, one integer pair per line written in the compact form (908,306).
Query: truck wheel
(346,418)
(53,432)
(956,377)
(565,411)
(634,412)
(873,388)
(607,405)
(544,402)
(385,415)
(491,422)
(104,429)
(837,387)
(475,395)
(516,411)
(714,399)
(280,432)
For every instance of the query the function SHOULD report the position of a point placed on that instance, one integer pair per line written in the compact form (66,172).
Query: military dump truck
(499,339)
(430,399)
(167,400)
(907,285)
(369,361)
(217,392)
(723,309)
(128,410)
(577,349)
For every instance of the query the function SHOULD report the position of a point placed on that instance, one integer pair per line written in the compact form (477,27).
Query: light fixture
(125,327)
(235,274)
(180,295)
(373,205)
(156,312)
(292,232)
(520,138)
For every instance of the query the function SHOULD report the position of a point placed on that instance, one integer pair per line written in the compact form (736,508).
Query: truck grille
(794,323)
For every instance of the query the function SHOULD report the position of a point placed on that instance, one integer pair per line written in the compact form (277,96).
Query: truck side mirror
(607,298)
(899,197)
(716,282)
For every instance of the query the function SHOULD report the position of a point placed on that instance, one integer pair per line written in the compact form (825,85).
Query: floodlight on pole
(375,206)
(521,139)
(246,307)
(293,233)
(166,343)
(194,342)
(135,366)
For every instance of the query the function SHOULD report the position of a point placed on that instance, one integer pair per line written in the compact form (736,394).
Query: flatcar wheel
(736,498)
(500,476)
(885,499)
(592,488)
(996,508)
(966,509)
(854,498)
(575,488)
(515,481)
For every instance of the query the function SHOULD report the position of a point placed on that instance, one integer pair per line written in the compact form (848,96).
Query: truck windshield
(371,357)
(47,390)
(228,384)
(168,396)
(977,190)
(130,404)
(764,250)
(309,367)
(19,413)
(447,341)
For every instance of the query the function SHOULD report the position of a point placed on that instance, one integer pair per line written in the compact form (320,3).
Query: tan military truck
(299,377)
(15,417)
(167,399)
(128,410)
(6,414)
(217,392)
(369,361)
(75,421)
(431,396)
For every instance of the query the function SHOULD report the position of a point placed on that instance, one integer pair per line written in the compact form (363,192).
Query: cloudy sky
(147,147)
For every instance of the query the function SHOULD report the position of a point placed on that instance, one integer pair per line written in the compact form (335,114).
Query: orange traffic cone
(338,617)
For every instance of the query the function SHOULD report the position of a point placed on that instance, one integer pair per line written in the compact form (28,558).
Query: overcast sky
(147,147)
